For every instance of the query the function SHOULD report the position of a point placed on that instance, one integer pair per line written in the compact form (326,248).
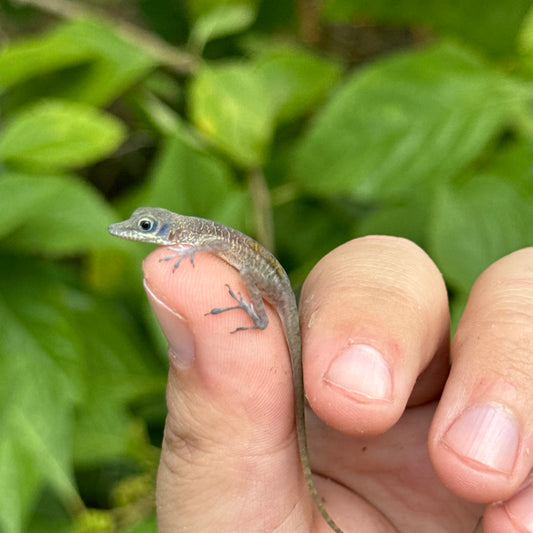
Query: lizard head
(148,224)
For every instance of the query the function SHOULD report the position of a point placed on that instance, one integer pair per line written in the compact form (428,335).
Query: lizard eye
(146,224)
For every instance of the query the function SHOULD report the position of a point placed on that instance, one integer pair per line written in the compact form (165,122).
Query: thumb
(229,458)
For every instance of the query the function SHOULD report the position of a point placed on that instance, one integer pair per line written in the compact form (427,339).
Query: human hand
(409,443)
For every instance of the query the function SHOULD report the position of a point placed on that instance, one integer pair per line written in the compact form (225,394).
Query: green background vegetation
(304,124)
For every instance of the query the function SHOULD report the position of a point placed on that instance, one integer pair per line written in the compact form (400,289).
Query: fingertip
(519,508)
(515,515)
(355,393)
(479,442)
(374,318)
(481,435)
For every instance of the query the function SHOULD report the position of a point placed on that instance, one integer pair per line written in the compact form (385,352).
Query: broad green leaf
(53,215)
(514,164)
(39,383)
(475,224)
(49,515)
(525,38)
(67,358)
(119,368)
(101,430)
(234,108)
(296,79)
(121,62)
(415,117)
(191,181)
(56,134)
(490,24)
(20,480)
(407,218)
(29,58)
(225,19)
(20,197)
(112,63)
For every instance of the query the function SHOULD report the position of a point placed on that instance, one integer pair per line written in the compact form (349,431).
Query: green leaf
(49,515)
(188,180)
(296,79)
(67,359)
(223,20)
(113,347)
(121,62)
(56,134)
(490,24)
(414,117)
(407,218)
(111,64)
(29,58)
(475,224)
(20,473)
(525,38)
(513,164)
(39,382)
(234,108)
(53,214)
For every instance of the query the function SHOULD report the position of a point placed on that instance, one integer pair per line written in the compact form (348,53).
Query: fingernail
(179,336)
(363,372)
(520,508)
(486,436)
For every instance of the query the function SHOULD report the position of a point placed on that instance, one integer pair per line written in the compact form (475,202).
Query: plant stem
(262,208)
(176,59)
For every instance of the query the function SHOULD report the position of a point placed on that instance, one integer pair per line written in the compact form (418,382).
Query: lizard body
(263,276)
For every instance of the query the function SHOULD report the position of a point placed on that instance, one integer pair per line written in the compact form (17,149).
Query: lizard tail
(289,319)
(306,467)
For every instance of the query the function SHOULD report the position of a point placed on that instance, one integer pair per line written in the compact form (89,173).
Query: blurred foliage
(249,113)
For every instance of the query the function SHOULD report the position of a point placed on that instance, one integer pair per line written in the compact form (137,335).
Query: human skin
(399,440)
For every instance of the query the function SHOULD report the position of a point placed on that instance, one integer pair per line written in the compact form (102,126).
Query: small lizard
(263,276)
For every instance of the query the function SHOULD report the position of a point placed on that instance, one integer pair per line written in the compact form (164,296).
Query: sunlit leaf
(191,181)
(296,79)
(475,224)
(53,214)
(412,118)
(232,106)
(111,63)
(56,134)
(39,381)
(223,20)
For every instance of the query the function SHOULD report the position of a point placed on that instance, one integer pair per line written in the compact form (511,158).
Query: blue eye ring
(146,224)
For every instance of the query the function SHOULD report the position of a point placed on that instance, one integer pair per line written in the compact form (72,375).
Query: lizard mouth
(118,230)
